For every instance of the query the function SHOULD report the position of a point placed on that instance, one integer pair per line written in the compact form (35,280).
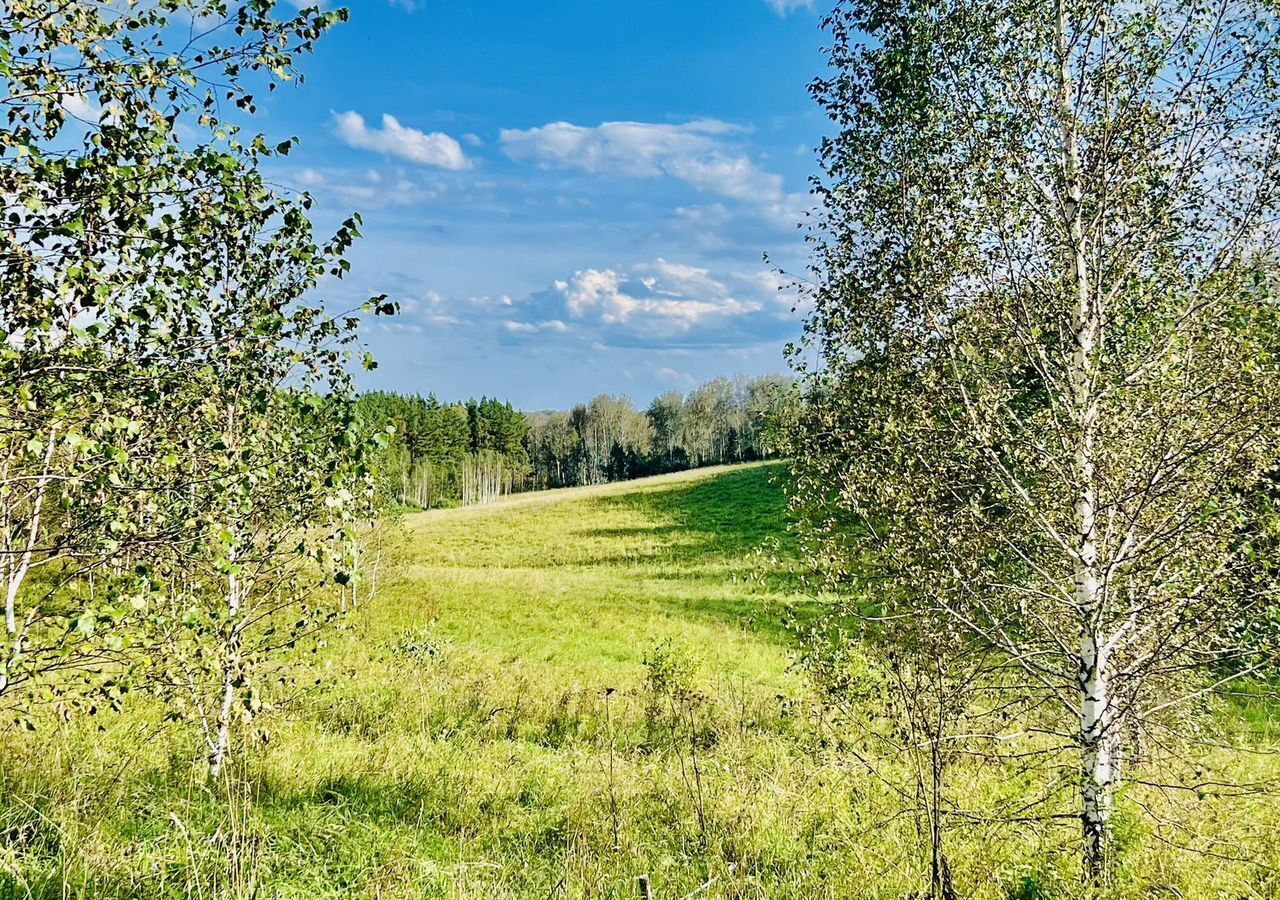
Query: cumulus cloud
(309,177)
(406,5)
(419,147)
(553,325)
(659,293)
(80,107)
(778,289)
(699,153)
(659,303)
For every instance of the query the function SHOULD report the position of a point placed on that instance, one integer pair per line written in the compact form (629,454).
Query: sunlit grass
(484,728)
(584,586)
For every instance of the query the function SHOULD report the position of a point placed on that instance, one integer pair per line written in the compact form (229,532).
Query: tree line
(440,454)
(724,420)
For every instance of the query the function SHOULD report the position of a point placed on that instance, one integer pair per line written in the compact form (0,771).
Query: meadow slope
(546,698)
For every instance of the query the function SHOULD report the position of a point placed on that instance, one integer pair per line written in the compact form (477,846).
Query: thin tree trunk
(1097,775)
(231,680)
(1097,764)
(17,572)
(355,576)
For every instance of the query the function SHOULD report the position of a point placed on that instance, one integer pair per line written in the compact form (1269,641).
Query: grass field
(547,698)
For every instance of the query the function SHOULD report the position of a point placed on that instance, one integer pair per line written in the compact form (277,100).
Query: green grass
(531,677)
(580,588)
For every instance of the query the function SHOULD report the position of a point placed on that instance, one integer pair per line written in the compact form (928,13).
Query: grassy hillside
(575,586)
(547,698)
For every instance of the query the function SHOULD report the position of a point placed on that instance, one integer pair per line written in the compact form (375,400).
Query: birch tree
(1045,324)
(273,479)
(147,270)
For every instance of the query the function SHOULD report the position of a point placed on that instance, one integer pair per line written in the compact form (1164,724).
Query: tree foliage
(174,430)
(725,420)
(1045,316)
(468,452)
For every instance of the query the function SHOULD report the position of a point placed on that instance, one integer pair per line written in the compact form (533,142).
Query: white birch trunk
(16,572)
(1095,701)
(1098,759)
(355,575)
(230,681)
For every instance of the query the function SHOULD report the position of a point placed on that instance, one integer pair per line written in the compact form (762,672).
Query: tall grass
(548,698)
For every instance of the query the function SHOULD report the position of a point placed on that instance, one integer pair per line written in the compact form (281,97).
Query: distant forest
(445,454)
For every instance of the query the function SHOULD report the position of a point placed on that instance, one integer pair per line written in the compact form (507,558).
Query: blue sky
(566,197)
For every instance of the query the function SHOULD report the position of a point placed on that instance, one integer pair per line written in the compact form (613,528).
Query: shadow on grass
(731,527)
(732,514)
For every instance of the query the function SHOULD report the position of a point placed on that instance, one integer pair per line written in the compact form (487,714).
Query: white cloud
(697,153)
(393,327)
(657,296)
(553,325)
(402,192)
(78,105)
(785,7)
(778,290)
(486,302)
(425,149)
(656,304)
(429,307)
(370,188)
(406,5)
(309,177)
(667,375)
